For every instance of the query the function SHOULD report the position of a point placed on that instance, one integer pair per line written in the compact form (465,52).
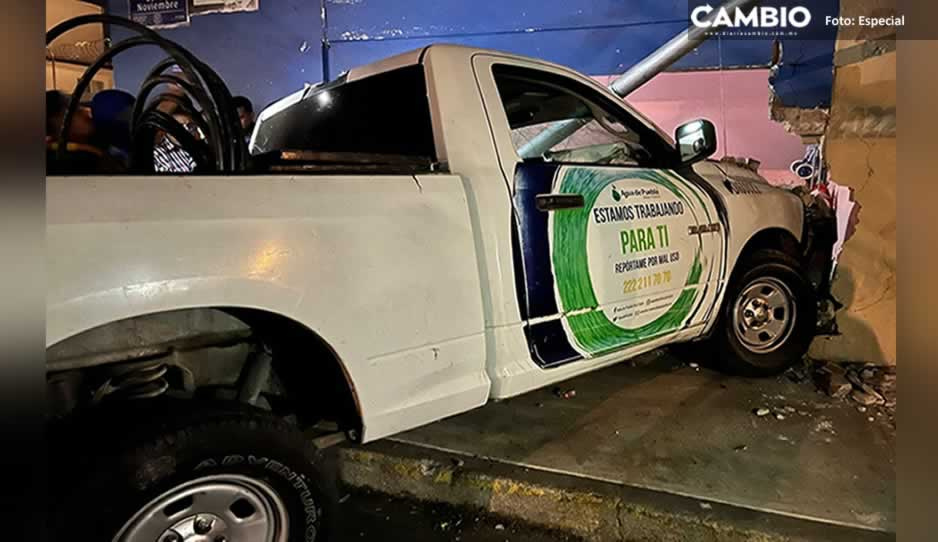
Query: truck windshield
(386,114)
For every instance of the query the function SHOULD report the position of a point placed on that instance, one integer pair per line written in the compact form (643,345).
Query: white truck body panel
(374,265)
(410,280)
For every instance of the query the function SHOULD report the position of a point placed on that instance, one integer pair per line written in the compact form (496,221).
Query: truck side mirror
(696,140)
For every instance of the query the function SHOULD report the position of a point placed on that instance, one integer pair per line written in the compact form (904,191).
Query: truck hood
(719,171)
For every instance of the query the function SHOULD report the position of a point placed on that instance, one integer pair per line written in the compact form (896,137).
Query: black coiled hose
(226,151)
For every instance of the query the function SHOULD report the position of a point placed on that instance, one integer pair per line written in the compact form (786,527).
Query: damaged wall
(737,110)
(861,150)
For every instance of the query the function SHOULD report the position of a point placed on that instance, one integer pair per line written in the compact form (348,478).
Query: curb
(596,510)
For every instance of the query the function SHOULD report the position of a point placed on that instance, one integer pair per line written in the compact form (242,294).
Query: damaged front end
(830,216)
(817,251)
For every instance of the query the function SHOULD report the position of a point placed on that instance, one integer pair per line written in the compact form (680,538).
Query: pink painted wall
(736,101)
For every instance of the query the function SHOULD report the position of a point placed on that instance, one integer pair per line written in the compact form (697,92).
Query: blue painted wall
(274,51)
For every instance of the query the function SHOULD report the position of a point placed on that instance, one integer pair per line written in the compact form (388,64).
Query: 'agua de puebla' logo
(619,194)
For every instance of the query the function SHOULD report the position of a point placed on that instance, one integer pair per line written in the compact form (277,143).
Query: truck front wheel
(769,316)
(216,474)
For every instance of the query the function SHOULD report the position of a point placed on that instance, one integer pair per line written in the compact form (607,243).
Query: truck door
(613,248)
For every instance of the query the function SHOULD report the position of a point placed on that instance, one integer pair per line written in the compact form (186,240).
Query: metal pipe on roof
(637,75)
(324,19)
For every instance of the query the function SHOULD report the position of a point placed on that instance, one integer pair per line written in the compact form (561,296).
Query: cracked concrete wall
(861,149)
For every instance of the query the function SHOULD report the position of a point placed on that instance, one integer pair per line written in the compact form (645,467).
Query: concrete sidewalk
(662,448)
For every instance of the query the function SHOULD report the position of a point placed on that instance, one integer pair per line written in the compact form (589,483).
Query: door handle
(553,202)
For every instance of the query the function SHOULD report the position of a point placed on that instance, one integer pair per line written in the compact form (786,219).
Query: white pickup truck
(400,255)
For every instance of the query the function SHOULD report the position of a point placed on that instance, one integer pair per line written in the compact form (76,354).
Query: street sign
(160,13)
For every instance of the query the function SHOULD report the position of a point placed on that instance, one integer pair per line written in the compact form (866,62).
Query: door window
(536,101)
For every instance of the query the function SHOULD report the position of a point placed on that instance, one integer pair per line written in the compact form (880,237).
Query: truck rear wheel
(218,474)
(769,316)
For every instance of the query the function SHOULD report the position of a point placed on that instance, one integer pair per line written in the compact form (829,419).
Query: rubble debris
(796,120)
(840,390)
(565,394)
(499,527)
(695,366)
(866,398)
(832,380)
(796,375)
(871,418)
(824,426)
(854,378)
(789,409)
(779,416)
(861,408)
(862,383)
(740,448)
(761,411)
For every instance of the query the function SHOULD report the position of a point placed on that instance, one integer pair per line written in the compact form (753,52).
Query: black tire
(108,466)
(734,355)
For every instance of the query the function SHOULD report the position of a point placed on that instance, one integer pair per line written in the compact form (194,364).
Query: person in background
(83,155)
(111,111)
(168,154)
(245,110)
(82,128)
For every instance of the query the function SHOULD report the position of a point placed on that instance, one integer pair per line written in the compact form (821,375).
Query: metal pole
(325,41)
(636,76)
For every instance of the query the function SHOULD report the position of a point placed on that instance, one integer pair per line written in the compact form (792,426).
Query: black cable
(229,141)
(155,124)
(198,150)
(86,79)
(215,129)
(183,105)
(83,82)
(156,72)
(161,67)
(154,121)
(224,132)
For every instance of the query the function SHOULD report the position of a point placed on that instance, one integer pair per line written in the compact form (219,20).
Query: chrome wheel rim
(218,508)
(764,315)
